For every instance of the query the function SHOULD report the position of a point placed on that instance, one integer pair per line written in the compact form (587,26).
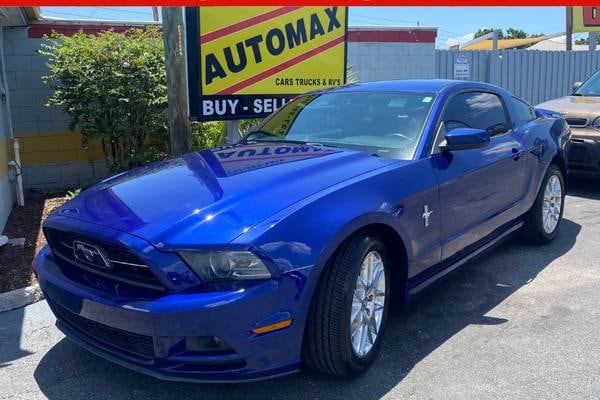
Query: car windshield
(385,124)
(590,87)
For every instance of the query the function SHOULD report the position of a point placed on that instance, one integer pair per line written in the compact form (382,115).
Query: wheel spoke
(371,269)
(373,330)
(363,337)
(357,322)
(356,337)
(356,312)
(378,274)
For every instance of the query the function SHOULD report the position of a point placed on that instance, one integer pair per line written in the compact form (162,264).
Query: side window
(524,113)
(478,110)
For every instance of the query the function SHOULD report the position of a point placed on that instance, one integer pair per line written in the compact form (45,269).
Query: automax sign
(586,19)
(246,62)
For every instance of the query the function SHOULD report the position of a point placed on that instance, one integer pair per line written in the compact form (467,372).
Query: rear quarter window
(524,113)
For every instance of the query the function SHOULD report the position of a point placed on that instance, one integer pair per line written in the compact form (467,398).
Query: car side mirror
(576,86)
(464,139)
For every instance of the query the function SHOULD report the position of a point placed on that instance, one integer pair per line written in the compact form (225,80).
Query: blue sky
(453,22)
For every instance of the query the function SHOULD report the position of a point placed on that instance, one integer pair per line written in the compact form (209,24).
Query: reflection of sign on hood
(237,159)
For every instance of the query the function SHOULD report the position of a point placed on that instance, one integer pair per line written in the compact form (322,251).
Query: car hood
(211,197)
(574,106)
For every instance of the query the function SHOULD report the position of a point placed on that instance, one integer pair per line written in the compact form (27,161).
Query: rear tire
(344,308)
(543,220)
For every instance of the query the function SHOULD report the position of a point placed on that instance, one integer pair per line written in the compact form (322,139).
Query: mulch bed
(15,263)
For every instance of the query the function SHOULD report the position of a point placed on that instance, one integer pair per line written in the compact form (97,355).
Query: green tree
(512,33)
(586,40)
(113,86)
(485,31)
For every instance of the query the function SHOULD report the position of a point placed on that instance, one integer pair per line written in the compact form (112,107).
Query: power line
(384,19)
(369,19)
(362,21)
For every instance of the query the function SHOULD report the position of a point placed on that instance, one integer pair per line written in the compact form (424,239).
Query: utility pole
(179,123)
(494,40)
(569,26)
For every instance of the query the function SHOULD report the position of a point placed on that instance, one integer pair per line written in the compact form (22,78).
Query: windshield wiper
(268,137)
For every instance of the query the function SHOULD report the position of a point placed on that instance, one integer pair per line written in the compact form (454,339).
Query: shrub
(206,135)
(113,86)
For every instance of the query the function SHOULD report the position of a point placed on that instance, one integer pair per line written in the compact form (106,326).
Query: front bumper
(584,153)
(149,335)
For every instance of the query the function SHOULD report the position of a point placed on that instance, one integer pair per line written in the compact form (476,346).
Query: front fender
(303,237)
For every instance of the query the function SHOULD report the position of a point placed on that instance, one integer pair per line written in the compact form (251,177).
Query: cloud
(453,41)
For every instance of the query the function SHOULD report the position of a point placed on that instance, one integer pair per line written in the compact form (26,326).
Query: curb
(20,297)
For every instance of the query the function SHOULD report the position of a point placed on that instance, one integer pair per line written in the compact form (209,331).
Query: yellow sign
(586,19)
(261,57)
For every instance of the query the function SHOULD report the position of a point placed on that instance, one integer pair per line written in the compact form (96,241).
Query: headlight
(596,124)
(222,265)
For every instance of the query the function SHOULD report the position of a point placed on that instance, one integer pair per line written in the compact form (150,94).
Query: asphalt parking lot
(520,323)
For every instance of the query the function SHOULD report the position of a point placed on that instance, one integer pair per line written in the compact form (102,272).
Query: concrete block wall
(52,155)
(392,53)
(380,61)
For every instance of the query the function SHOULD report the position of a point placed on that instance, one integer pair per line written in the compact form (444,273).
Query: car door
(479,188)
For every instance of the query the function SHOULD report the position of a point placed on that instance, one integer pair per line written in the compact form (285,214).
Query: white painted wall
(6,200)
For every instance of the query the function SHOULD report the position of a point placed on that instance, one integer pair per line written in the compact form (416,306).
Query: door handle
(516,154)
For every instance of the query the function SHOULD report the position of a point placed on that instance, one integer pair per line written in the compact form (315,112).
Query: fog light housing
(206,344)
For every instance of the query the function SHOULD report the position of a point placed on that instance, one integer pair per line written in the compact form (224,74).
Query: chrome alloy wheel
(552,204)
(368,304)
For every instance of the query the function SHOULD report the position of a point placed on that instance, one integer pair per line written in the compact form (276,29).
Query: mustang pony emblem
(90,254)
(426,214)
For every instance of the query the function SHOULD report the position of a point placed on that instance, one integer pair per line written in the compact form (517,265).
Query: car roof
(411,85)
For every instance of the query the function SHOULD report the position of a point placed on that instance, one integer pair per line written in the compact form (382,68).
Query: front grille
(124,266)
(577,122)
(140,345)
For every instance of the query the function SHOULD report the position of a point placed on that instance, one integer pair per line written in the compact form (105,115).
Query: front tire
(349,309)
(546,214)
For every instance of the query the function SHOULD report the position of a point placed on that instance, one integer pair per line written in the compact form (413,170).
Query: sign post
(569,28)
(247,62)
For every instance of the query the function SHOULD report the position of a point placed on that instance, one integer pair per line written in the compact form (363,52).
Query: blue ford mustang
(288,248)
